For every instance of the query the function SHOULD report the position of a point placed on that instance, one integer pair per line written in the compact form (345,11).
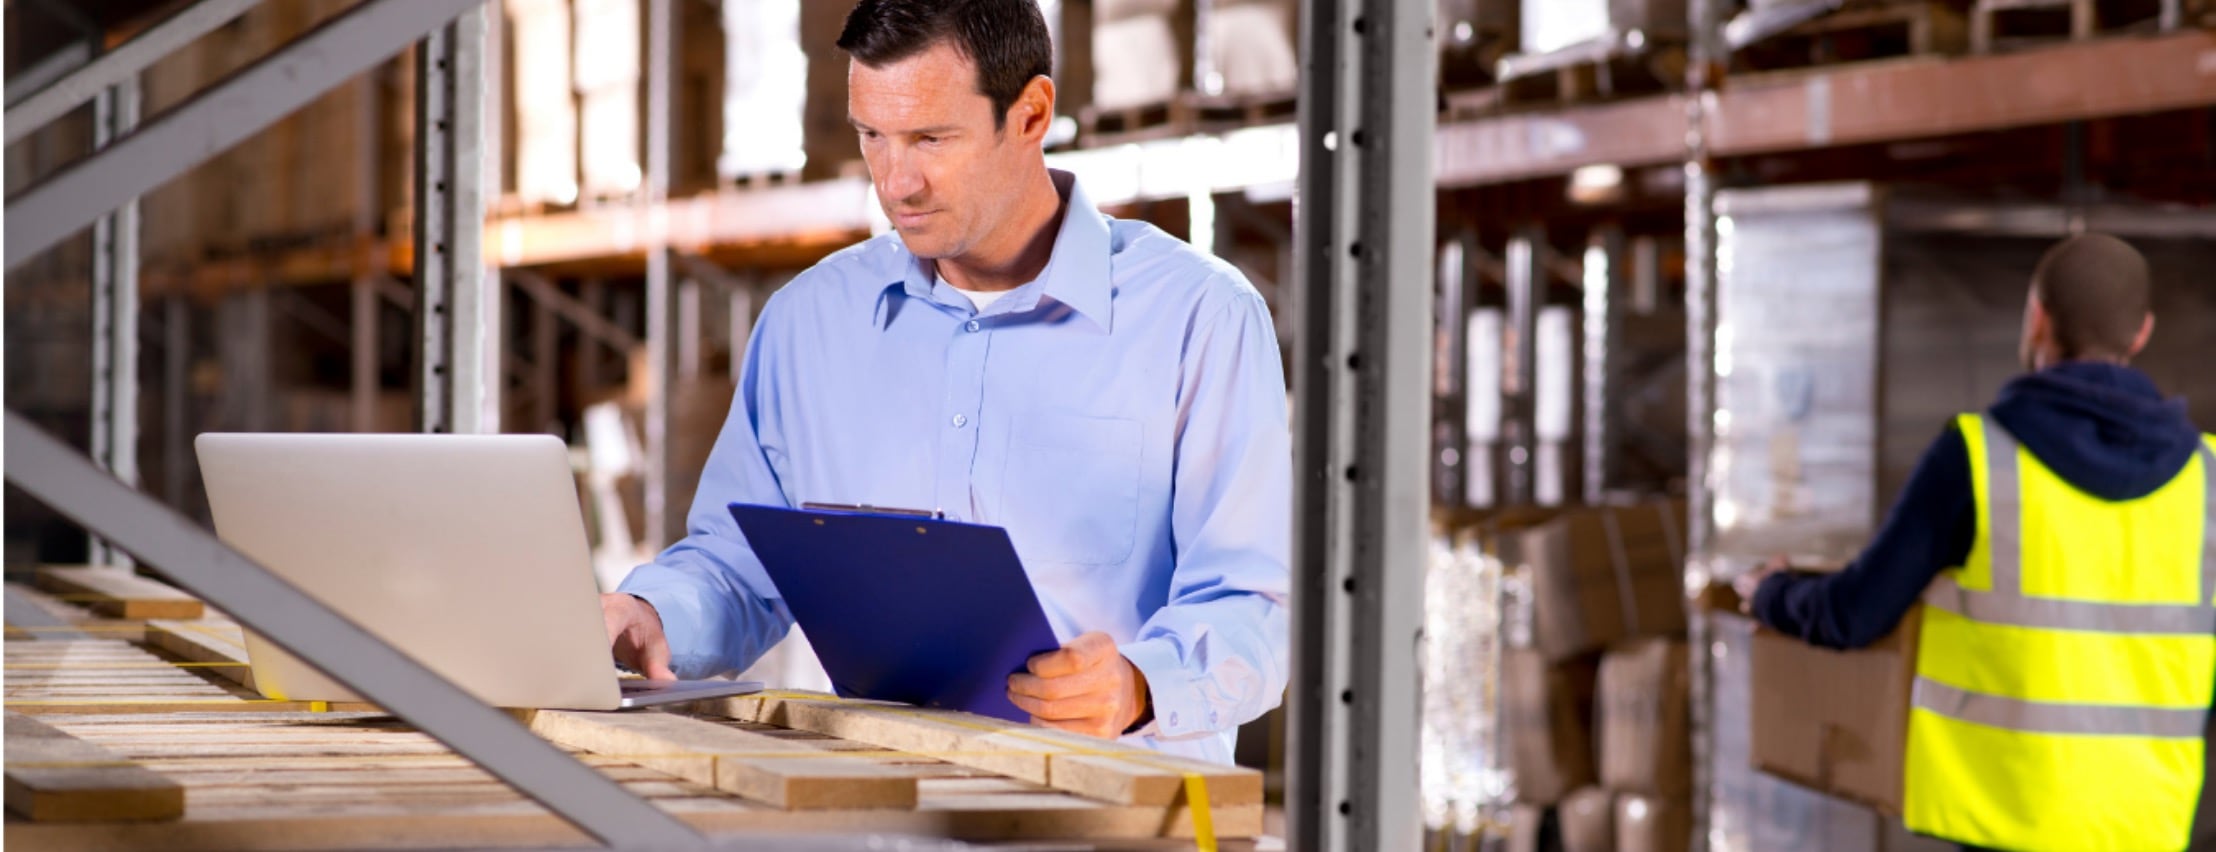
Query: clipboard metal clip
(866,509)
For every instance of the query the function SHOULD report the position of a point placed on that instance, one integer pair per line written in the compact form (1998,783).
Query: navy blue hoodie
(2104,428)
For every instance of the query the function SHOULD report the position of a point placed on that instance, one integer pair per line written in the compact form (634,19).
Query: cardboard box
(1588,821)
(1653,823)
(1527,829)
(1835,721)
(1645,737)
(1602,575)
(1548,718)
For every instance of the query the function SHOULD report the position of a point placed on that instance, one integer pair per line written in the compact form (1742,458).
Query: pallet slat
(732,760)
(118,593)
(55,777)
(1094,768)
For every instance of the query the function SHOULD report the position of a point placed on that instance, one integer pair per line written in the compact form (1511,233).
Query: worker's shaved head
(2093,289)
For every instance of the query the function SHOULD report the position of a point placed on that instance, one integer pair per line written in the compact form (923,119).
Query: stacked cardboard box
(1603,575)
(1597,651)
(1835,721)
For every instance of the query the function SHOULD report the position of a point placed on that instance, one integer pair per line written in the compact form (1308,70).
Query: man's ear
(1033,112)
(2146,332)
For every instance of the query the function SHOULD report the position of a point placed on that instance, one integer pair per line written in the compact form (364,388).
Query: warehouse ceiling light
(1602,184)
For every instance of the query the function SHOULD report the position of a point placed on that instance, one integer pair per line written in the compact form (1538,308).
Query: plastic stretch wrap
(1465,784)
(1794,463)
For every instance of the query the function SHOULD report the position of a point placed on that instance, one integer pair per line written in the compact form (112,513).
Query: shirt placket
(965,393)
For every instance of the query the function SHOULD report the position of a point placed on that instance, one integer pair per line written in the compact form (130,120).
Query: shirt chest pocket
(1072,488)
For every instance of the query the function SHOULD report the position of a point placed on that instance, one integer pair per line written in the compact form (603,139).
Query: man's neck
(1019,252)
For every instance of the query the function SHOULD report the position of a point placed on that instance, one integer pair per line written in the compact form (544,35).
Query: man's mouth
(912,219)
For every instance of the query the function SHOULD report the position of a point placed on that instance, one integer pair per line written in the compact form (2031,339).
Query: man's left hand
(1086,687)
(1746,584)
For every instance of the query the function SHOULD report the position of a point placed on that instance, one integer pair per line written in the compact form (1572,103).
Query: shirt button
(1173,720)
(960,421)
(973,326)
(1214,720)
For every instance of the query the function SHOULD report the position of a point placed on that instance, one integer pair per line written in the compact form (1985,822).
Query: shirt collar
(1076,274)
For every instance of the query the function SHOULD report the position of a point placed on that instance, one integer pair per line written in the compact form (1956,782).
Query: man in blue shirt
(1011,356)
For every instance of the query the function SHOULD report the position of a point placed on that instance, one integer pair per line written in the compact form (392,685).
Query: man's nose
(902,178)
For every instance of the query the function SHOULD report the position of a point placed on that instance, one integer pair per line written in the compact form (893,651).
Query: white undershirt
(982,298)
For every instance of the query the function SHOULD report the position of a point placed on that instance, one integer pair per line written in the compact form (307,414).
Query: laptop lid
(466,552)
(902,608)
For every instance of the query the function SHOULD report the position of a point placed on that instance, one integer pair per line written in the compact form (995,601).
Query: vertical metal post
(1704,76)
(664,521)
(545,374)
(1604,311)
(1527,279)
(176,372)
(368,309)
(689,332)
(457,304)
(115,303)
(1365,223)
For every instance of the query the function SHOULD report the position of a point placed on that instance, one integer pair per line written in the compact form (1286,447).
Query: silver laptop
(466,552)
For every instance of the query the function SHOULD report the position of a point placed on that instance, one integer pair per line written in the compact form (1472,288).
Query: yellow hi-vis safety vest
(2065,672)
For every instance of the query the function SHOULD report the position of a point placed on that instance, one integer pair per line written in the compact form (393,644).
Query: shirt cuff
(1765,605)
(682,619)
(1179,709)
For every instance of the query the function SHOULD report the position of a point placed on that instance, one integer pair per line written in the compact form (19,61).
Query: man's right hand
(635,634)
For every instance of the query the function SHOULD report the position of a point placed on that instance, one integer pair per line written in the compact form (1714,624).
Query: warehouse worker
(1012,356)
(2063,544)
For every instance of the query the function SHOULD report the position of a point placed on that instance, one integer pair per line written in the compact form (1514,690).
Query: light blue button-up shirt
(1123,416)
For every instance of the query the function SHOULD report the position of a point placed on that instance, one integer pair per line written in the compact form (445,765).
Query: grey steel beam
(117,66)
(665,514)
(176,372)
(1604,312)
(1527,285)
(45,72)
(115,314)
(57,476)
(1704,77)
(457,305)
(217,118)
(1362,371)
(578,312)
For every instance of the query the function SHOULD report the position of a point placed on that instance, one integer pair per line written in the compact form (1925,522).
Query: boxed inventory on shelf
(1588,821)
(1645,740)
(1835,721)
(1604,574)
(1548,716)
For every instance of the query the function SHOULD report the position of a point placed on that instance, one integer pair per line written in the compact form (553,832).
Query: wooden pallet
(1101,127)
(1860,32)
(2001,25)
(261,774)
(1657,68)
(1219,113)
(117,593)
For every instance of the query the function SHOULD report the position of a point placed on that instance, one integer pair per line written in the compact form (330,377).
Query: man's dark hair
(2094,289)
(1006,39)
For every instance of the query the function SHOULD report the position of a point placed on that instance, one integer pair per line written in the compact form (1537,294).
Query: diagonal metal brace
(56,99)
(65,480)
(217,118)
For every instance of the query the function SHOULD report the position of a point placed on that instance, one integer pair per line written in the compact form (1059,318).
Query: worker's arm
(719,611)
(1215,656)
(1929,529)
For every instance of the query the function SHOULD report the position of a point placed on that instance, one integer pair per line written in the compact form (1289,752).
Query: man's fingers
(1081,653)
(1081,683)
(654,659)
(1081,707)
(1088,727)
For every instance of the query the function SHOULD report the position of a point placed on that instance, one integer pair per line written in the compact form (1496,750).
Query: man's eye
(928,140)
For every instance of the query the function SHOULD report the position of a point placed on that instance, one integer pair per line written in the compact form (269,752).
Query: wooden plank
(1094,768)
(118,593)
(54,777)
(785,773)
(203,644)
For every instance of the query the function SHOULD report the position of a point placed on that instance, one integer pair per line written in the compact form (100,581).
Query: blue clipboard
(904,607)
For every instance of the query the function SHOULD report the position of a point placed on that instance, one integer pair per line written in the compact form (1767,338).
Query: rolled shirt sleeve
(719,610)
(1216,655)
